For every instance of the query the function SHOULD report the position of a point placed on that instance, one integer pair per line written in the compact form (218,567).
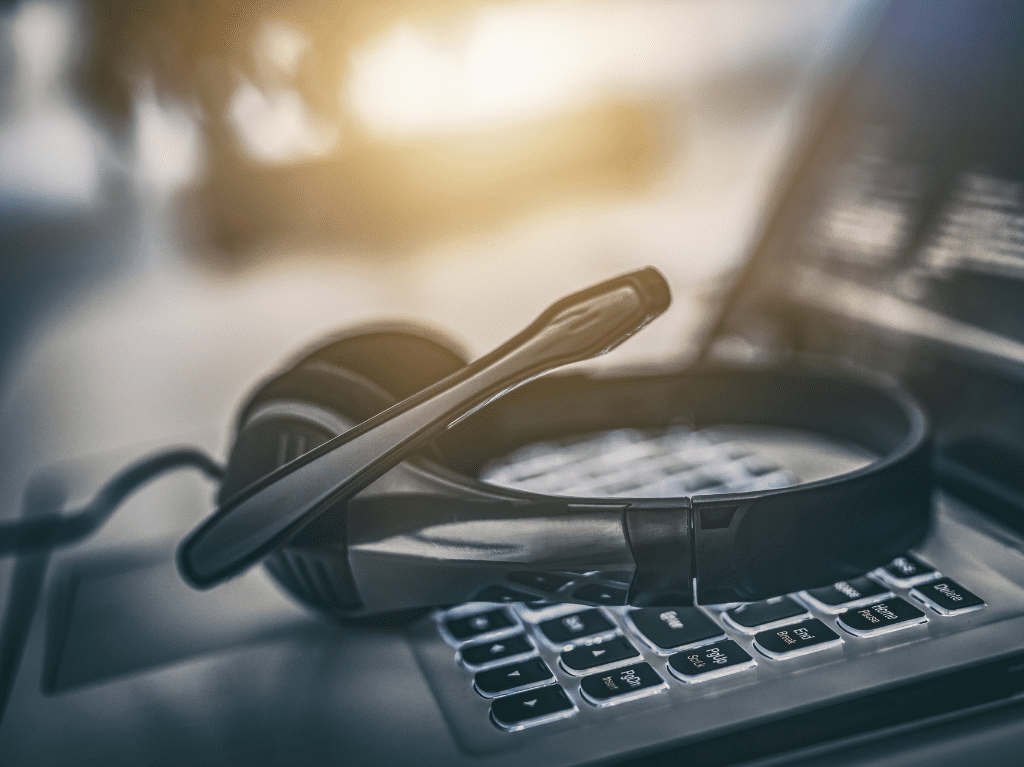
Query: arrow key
(512,678)
(528,709)
(597,594)
(588,659)
(477,657)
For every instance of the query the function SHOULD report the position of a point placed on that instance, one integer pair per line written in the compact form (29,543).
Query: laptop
(895,246)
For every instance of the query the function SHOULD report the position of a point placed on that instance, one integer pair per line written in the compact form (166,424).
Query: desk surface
(126,664)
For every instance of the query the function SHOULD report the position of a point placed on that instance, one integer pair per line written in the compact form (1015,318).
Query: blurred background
(192,191)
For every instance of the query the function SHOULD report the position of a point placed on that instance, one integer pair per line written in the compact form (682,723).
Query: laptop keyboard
(599,658)
(638,463)
(539,658)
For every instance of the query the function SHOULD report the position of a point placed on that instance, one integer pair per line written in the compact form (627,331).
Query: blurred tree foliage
(196,51)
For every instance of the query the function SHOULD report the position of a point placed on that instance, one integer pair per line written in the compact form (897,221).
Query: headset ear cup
(287,416)
(402,359)
(269,435)
(330,389)
(354,376)
(362,373)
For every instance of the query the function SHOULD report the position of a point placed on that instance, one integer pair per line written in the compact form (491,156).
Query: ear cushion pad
(343,392)
(401,358)
(354,377)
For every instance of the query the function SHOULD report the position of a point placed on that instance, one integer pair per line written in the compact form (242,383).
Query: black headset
(353,472)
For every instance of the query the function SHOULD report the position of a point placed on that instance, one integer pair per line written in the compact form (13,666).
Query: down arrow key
(528,709)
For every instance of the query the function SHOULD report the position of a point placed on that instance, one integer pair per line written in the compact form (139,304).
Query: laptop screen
(899,243)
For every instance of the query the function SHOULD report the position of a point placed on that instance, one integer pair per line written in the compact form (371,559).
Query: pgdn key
(609,688)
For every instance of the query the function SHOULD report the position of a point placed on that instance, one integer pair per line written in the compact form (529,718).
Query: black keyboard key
(891,615)
(588,658)
(758,616)
(907,571)
(796,639)
(478,625)
(710,661)
(673,628)
(845,595)
(512,678)
(476,657)
(495,593)
(947,597)
(598,594)
(616,576)
(638,680)
(549,583)
(565,631)
(528,709)
(535,612)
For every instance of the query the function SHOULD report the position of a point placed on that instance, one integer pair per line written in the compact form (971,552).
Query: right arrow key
(590,658)
(512,678)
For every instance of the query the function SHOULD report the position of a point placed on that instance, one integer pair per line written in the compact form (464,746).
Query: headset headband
(714,549)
